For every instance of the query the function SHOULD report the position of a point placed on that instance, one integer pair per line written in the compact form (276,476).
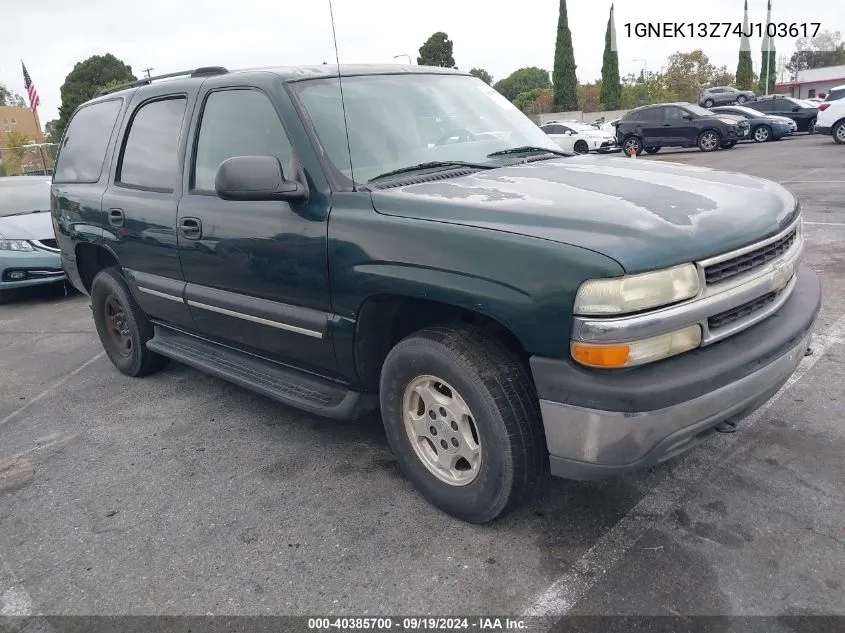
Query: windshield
(698,110)
(23,194)
(742,109)
(397,121)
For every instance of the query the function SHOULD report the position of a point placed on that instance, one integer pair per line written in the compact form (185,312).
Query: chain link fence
(32,159)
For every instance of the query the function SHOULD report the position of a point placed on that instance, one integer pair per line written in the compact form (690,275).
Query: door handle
(190,228)
(116,217)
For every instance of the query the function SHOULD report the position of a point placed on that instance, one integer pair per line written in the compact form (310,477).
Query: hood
(644,214)
(32,226)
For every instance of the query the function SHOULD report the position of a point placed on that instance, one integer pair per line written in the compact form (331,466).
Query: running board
(289,386)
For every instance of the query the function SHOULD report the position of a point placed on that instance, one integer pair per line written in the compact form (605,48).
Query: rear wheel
(463,420)
(741,99)
(632,145)
(838,135)
(708,103)
(762,133)
(652,150)
(581,147)
(811,126)
(708,141)
(123,328)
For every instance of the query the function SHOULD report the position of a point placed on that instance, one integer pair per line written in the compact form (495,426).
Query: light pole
(410,63)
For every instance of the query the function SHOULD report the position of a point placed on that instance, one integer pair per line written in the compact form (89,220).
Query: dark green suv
(414,244)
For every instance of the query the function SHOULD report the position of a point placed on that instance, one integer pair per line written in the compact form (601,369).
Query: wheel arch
(91,259)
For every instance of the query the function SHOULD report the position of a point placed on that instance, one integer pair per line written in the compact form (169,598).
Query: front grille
(734,314)
(749,261)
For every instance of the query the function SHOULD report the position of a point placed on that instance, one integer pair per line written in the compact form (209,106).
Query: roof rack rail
(204,71)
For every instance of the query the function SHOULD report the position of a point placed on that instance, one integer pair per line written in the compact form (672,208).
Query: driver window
(673,114)
(237,122)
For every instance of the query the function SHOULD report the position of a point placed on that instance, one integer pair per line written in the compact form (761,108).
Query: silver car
(28,252)
(724,95)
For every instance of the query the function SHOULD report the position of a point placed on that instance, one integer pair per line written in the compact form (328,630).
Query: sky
(500,36)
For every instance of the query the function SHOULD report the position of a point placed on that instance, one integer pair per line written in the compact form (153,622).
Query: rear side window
(763,106)
(835,95)
(150,158)
(651,115)
(237,122)
(83,149)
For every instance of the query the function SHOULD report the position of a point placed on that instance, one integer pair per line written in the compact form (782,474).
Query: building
(21,120)
(813,82)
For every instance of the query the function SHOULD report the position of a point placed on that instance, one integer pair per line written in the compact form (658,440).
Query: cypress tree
(768,67)
(745,67)
(564,80)
(611,88)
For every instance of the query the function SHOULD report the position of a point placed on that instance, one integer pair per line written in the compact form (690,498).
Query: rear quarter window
(83,150)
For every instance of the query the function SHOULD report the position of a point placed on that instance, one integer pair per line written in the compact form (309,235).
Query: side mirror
(688,117)
(256,178)
(614,123)
(568,133)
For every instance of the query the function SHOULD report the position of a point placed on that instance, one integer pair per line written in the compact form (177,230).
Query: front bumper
(38,267)
(602,423)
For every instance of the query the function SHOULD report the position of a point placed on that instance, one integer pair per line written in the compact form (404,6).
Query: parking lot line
(559,598)
(49,389)
(825,223)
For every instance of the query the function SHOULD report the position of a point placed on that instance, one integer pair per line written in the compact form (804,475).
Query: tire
(728,145)
(811,126)
(581,147)
(502,428)
(708,141)
(632,144)
(708,103)
(838,133)
(741,99)
(114,306)
(652,150)
(762,134)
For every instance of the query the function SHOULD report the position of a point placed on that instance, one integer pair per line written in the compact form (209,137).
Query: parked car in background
(804,114)
(813,100)
(650,128)
(580,140)
(832,120)
(29,255)
(724,95)
(763,127)
(608,138)
(835,94)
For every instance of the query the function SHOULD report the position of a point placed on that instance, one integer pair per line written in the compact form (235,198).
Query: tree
(768,64)
(589,96)
(523,80)
(86,79)
(722,77)
(611,87)
(51,135)
(437,51)
(640,90)
(10,98)
(687,73)
(16,152)
(745,67)
(534,101)
(482,74)
(563,77)
(826,49)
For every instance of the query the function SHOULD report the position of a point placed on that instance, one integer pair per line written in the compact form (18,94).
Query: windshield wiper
(433,164)
(8,215)
(525,149)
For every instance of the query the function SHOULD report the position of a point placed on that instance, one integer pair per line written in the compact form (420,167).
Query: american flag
(34,101)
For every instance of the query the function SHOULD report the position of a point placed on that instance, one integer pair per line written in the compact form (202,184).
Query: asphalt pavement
(181,494)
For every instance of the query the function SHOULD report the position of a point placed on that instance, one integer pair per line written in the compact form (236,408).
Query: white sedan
(580,138)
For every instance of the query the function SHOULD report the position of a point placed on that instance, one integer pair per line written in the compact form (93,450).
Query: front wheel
(708,103)
(839,132)
(581,147)
(463,420)
(632,145)
(811,126)
(709,141)
(741,99)
(123,328)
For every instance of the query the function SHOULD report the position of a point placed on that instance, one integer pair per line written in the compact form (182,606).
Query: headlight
(16,245)
(637,352)
(620,295)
